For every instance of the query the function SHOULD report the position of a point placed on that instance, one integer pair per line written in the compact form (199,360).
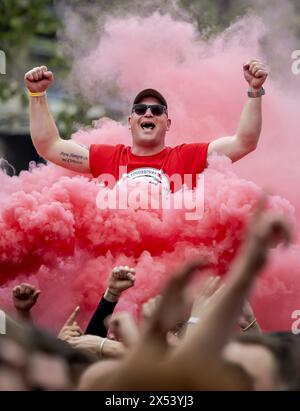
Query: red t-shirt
(185,160)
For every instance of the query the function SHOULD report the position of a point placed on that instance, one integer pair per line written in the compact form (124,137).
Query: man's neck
(146,151)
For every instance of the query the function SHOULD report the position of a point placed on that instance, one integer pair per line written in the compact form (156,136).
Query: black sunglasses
(156,109)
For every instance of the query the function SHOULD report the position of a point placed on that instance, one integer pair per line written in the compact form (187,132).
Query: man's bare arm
(247,135)
(44,133)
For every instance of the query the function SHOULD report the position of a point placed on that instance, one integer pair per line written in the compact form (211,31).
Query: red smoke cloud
(52,233)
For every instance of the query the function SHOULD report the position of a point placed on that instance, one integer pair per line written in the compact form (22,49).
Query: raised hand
(70,328)
(149,308)
(120,279)
(208,291)
(38,79)
(255,74)
(266,229)
(175,306)
(25,296)
(247,320)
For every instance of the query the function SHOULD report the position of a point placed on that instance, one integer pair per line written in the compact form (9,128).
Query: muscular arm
(49,145)
(246,137)
(44,133)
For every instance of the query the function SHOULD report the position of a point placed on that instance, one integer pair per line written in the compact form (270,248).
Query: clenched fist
(25,296)
(38,79)
(120,279)
(255,74)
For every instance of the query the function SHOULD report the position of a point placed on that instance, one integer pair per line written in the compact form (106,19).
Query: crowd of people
(190,337)
(195,335)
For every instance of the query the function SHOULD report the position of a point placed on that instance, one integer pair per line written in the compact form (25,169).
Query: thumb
(36,294)
(48,74)
(246,66)
(131,277)
(72,317)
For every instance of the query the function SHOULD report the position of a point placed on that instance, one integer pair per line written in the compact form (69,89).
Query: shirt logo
(148,175)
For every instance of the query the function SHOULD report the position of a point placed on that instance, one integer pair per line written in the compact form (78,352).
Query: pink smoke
(52,233)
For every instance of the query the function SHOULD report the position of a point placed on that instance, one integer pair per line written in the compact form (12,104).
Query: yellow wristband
(38,94)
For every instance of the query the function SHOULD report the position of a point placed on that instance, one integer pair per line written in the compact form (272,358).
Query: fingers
(206,294)
(67,334)
(72,317)
(256,68)
(247,310)
(16,291)
(35,294)
(75,328)
(150,306)
(24,291)
(74,333)
(185,272)
(38,73)
(121,278)
(278,229)
(123,273)
(211,286)
(70,331)
(269,226)
(49,75)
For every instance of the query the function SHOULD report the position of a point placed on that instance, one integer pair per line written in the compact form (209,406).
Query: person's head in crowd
(271,360)
(31,359)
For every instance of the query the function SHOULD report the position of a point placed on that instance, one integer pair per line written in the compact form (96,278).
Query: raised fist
(25,296)
(255,74)
(120,279)
(38,79)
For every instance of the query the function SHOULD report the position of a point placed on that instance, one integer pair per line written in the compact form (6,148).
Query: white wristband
(102,345)
(193,320)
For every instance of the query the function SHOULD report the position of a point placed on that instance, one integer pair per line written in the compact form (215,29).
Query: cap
(150,92)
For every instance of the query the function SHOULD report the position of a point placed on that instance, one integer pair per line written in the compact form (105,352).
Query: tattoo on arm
(72,158)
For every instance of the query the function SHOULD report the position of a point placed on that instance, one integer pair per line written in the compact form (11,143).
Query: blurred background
(32,33)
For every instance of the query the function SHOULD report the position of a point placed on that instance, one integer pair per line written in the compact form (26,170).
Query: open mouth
(147,125)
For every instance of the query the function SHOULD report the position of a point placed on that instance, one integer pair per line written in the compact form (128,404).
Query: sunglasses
(156,109)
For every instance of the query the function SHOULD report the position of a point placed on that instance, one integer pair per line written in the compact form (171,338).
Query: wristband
(111,297)
(112,294)
(37,94)
(253,322)
(193,320)
(256,93)
(102,345)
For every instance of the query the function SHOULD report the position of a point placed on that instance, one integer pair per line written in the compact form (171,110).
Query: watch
(256,93)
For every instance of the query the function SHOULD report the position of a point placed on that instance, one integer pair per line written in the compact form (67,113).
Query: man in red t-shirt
(148,157)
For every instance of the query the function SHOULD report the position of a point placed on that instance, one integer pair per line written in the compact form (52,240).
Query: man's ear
(169,122)
(129,122)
